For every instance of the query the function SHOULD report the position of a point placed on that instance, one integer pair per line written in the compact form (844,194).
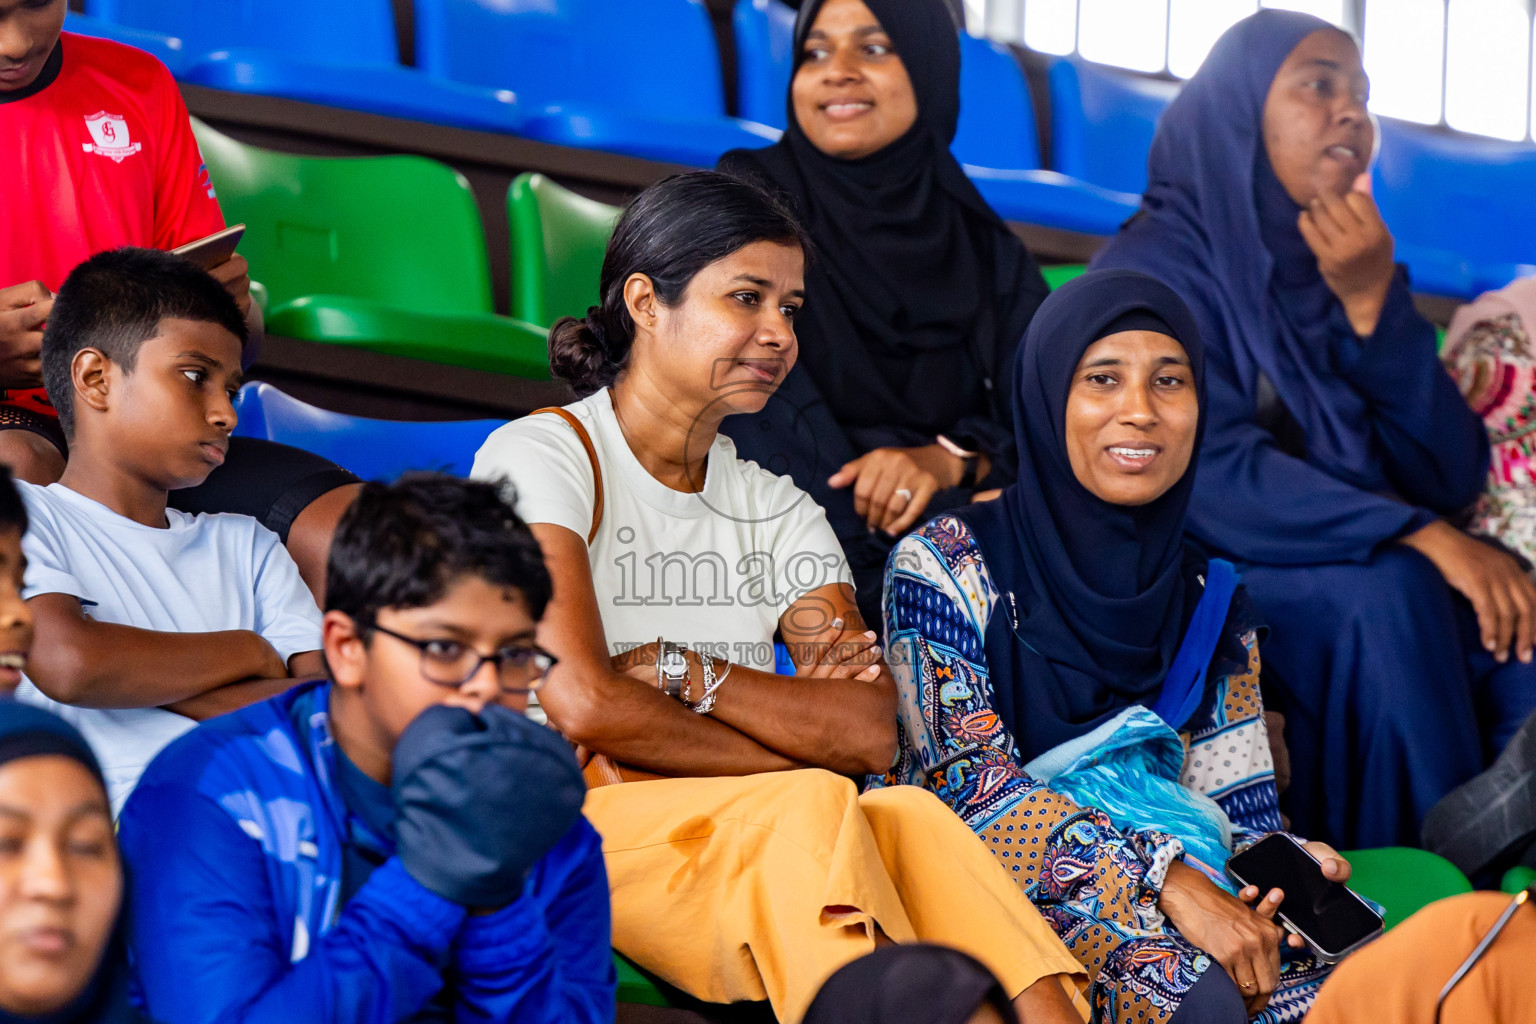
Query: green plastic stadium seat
(385,253)
(635,987)
(1061,273)
(558,242)
(479,341)
(1516,879)
(1403,880)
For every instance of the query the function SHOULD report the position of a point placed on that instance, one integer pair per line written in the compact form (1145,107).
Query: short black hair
(402,545)
(13,511)
(114,302)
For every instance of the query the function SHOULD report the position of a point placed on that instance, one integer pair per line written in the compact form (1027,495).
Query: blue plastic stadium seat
(337,54)
(1461,207)
(372,88)
(1053,200)
(1438,272)
(350,32)
(170,50)
(670,140)
(1102,121)
(765,44)
(997,118)
(373,449)
(593,73)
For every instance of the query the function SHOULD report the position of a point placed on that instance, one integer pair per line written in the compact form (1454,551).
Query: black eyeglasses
(520,668)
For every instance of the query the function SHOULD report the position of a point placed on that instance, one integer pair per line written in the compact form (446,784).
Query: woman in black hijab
(63,959)
(1050,648)
(917,293)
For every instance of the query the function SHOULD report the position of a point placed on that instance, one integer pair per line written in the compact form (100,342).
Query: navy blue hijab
(1095,596)
(1217,226)
(27,731)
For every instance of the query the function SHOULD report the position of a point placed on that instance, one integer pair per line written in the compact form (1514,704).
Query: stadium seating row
(540,72)
(416,281)
(534,73)
(414,284)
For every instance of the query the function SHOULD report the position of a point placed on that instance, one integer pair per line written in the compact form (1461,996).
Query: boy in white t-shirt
(149,619)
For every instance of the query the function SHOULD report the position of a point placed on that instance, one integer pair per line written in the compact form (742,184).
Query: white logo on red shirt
(111,134)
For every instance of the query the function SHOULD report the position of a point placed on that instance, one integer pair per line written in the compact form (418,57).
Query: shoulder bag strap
(1184,686)
(597,472)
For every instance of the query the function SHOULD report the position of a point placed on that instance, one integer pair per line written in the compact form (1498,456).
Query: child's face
(15,615)
(387,672)
(29,29)
(170,417)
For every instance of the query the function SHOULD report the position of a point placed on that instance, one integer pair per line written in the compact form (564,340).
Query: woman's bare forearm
(593,703)
(610,713)
(844,725)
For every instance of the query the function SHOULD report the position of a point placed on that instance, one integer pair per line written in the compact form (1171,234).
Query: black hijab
(1096,596)
(918,292)
(908,984)
(27,731)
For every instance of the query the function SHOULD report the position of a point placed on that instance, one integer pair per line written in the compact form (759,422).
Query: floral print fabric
(1097,886)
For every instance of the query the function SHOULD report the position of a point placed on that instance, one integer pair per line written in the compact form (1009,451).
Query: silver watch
(671,668)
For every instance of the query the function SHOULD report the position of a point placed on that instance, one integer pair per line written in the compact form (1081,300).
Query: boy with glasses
(398,843)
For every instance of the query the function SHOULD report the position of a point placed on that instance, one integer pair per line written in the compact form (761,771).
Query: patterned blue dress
(1096,885)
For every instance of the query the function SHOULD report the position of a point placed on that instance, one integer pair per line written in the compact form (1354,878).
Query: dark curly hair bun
(671,231)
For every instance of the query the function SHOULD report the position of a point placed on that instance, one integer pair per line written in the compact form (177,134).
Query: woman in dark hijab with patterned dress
(917,292)
(1081,685)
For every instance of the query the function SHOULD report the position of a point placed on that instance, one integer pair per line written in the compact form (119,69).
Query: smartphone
(211,250)
(1332,919)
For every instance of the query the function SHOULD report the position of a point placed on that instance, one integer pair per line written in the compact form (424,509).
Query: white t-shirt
(203,574)
(713,570)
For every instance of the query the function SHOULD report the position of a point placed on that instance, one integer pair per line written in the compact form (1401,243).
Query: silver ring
(903,494)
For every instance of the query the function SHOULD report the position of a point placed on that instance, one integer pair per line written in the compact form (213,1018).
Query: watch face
(673,663)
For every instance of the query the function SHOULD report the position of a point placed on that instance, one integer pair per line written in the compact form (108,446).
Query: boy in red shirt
(104,157)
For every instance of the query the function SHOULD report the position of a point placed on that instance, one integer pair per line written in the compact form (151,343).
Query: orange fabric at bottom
(761,887)
(1397,979)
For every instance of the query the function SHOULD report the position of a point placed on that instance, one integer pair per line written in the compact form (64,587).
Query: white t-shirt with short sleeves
(713,570)
(203,574)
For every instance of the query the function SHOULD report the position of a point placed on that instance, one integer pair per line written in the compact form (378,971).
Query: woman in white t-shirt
(742,860)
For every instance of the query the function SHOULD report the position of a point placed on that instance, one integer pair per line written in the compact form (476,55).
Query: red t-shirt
(100,157)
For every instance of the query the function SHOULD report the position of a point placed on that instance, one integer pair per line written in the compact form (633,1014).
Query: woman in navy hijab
(1081,686)
(63,954)
(1337,450)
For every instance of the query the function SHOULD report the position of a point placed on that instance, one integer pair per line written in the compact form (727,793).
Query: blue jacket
(234,842)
